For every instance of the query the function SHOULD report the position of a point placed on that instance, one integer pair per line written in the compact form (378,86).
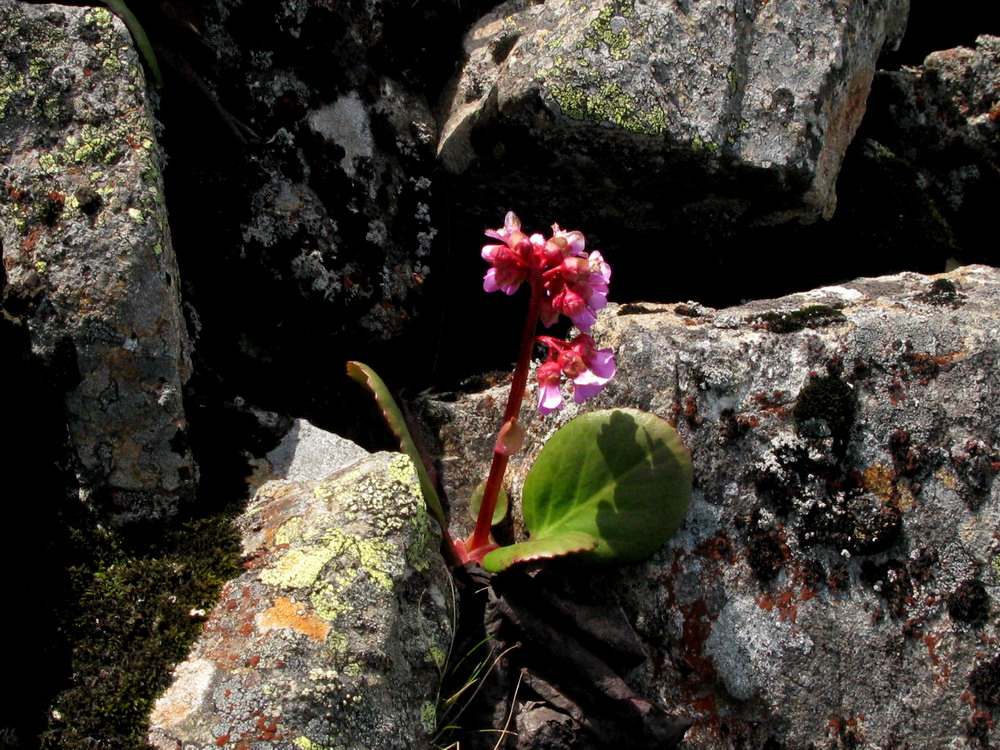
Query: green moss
(831,400)
(130,621)
(996,567)
(811,316)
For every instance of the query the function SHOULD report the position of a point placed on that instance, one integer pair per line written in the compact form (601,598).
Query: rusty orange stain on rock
(288,614)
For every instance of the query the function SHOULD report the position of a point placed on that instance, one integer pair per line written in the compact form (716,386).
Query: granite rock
(336,633)
(836,580)
(90,268)
(747,105)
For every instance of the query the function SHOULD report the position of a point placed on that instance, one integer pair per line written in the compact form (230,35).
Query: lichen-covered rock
(751,104)
(836,582)
(334,217)
(87,253)
(335,635)
(942,119)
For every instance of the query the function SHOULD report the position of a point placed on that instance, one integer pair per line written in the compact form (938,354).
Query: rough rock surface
(304,454)
(87,253)
(836,582)
(335,634)
(942,119)
(750,105)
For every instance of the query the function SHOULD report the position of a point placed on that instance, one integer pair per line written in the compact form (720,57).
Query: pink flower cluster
(588,367)
(575,283)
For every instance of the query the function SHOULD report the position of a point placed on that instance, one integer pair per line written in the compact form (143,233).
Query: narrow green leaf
(499,512)
(557,545)
(397,423)
(142,43)
(622,476)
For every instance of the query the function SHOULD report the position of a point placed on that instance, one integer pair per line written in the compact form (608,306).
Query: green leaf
(142,43)
(557,545)
(622,476)
(499,512)
(397,423)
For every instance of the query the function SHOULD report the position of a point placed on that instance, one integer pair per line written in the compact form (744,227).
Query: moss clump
(811,316)
(969,603)
(985,683)
(131,620)
(828,399)
(943,292)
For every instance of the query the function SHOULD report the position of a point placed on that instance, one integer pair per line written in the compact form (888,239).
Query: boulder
(836,582)
(666,108)
(336,634)
(941,120)
(88,259)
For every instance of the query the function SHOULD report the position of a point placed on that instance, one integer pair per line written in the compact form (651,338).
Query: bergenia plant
(609,485)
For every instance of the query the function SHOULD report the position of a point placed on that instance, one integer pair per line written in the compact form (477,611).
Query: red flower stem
(481,535)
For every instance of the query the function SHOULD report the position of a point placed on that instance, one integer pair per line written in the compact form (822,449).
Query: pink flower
(578,288)
(575,283)
(514,260)
(588,367)
(549,395)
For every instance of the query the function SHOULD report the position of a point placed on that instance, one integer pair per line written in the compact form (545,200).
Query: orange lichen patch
(931,641)
(28,246)
(879,479)
(288,614)
(783,602)
(718,547)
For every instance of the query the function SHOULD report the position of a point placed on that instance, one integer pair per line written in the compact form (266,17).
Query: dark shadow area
(38,483)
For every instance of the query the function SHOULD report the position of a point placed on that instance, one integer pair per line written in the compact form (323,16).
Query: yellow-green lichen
(11,81)
(297,568)
(41,266)
(601,31)
(697,144)
(996,567)
(100,17)
(307,744)
(437,656)
(134,213)
(337,643)
(289,530)
(327,602)
(428,716)
(610,105)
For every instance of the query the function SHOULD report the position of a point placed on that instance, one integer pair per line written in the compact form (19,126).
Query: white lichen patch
(346,123)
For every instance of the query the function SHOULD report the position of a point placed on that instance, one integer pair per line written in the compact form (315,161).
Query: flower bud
(510,439)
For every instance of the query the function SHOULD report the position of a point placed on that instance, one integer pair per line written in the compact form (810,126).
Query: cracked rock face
(88,259)
(638,98)
(336,633)
(836,582)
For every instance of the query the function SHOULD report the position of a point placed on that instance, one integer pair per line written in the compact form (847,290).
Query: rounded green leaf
(622,476)
(499,512)
(557,545)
